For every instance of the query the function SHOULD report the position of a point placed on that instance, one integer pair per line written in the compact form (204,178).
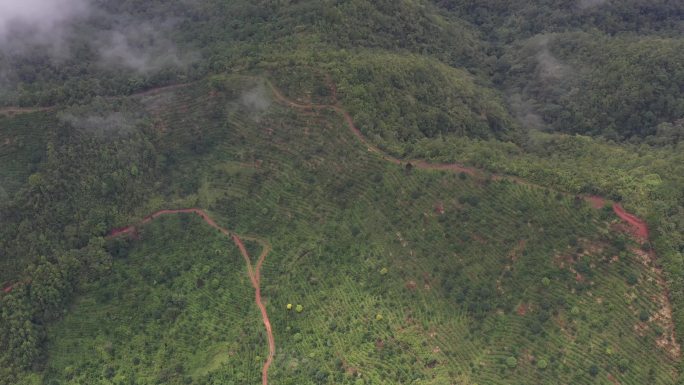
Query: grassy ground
(404,276)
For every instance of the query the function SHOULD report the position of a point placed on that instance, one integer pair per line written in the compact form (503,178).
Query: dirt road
(253,272)
(639,225)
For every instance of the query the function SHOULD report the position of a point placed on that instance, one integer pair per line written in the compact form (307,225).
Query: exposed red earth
(596,201)
(253,272)
(12,111)
(7,287)
(639,225)
(255,277)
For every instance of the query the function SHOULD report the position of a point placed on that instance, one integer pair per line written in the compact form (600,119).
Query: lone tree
(593,370)
(542,364)
(511,362)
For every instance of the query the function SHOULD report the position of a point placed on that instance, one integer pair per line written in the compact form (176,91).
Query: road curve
(253,272)
(640,227)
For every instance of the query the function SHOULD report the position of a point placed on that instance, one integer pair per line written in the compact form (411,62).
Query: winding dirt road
(254,272)
(639,225)
(640,228)
(12,111)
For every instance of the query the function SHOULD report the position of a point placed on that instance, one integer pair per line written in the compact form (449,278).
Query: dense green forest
(404,275)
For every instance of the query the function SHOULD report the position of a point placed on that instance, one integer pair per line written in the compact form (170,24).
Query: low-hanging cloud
(256,99)
(28,23)
(553,78)
(142,47)
(549,68)
(41,16)
(525,112)
(101,125)
(52,28)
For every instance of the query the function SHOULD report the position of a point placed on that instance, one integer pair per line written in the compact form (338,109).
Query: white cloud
(101,125)
(120,41)
(141,47)
(37,20)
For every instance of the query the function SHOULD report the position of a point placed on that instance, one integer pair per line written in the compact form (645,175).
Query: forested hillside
(420,168)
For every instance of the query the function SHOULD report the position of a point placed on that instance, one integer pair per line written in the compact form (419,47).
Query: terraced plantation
(326,192)
(380,272)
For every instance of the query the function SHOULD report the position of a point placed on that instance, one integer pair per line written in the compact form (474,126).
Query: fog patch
(525,113)
(142,47)
(549,68)
(257,100)
(39,27)
(54,30)
(155,102)
(103,125)
(551,78)
(37,21)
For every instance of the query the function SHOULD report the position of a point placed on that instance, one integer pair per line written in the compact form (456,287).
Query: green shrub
(632,279)
(511,362)
(542,364)
(593,370)
(623,365)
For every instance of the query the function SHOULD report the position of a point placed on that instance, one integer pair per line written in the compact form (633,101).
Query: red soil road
(596,201)
(7,287)
(641,228)
(255,276)
(639,225)
(253,272)
(372,148)
(12,111)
